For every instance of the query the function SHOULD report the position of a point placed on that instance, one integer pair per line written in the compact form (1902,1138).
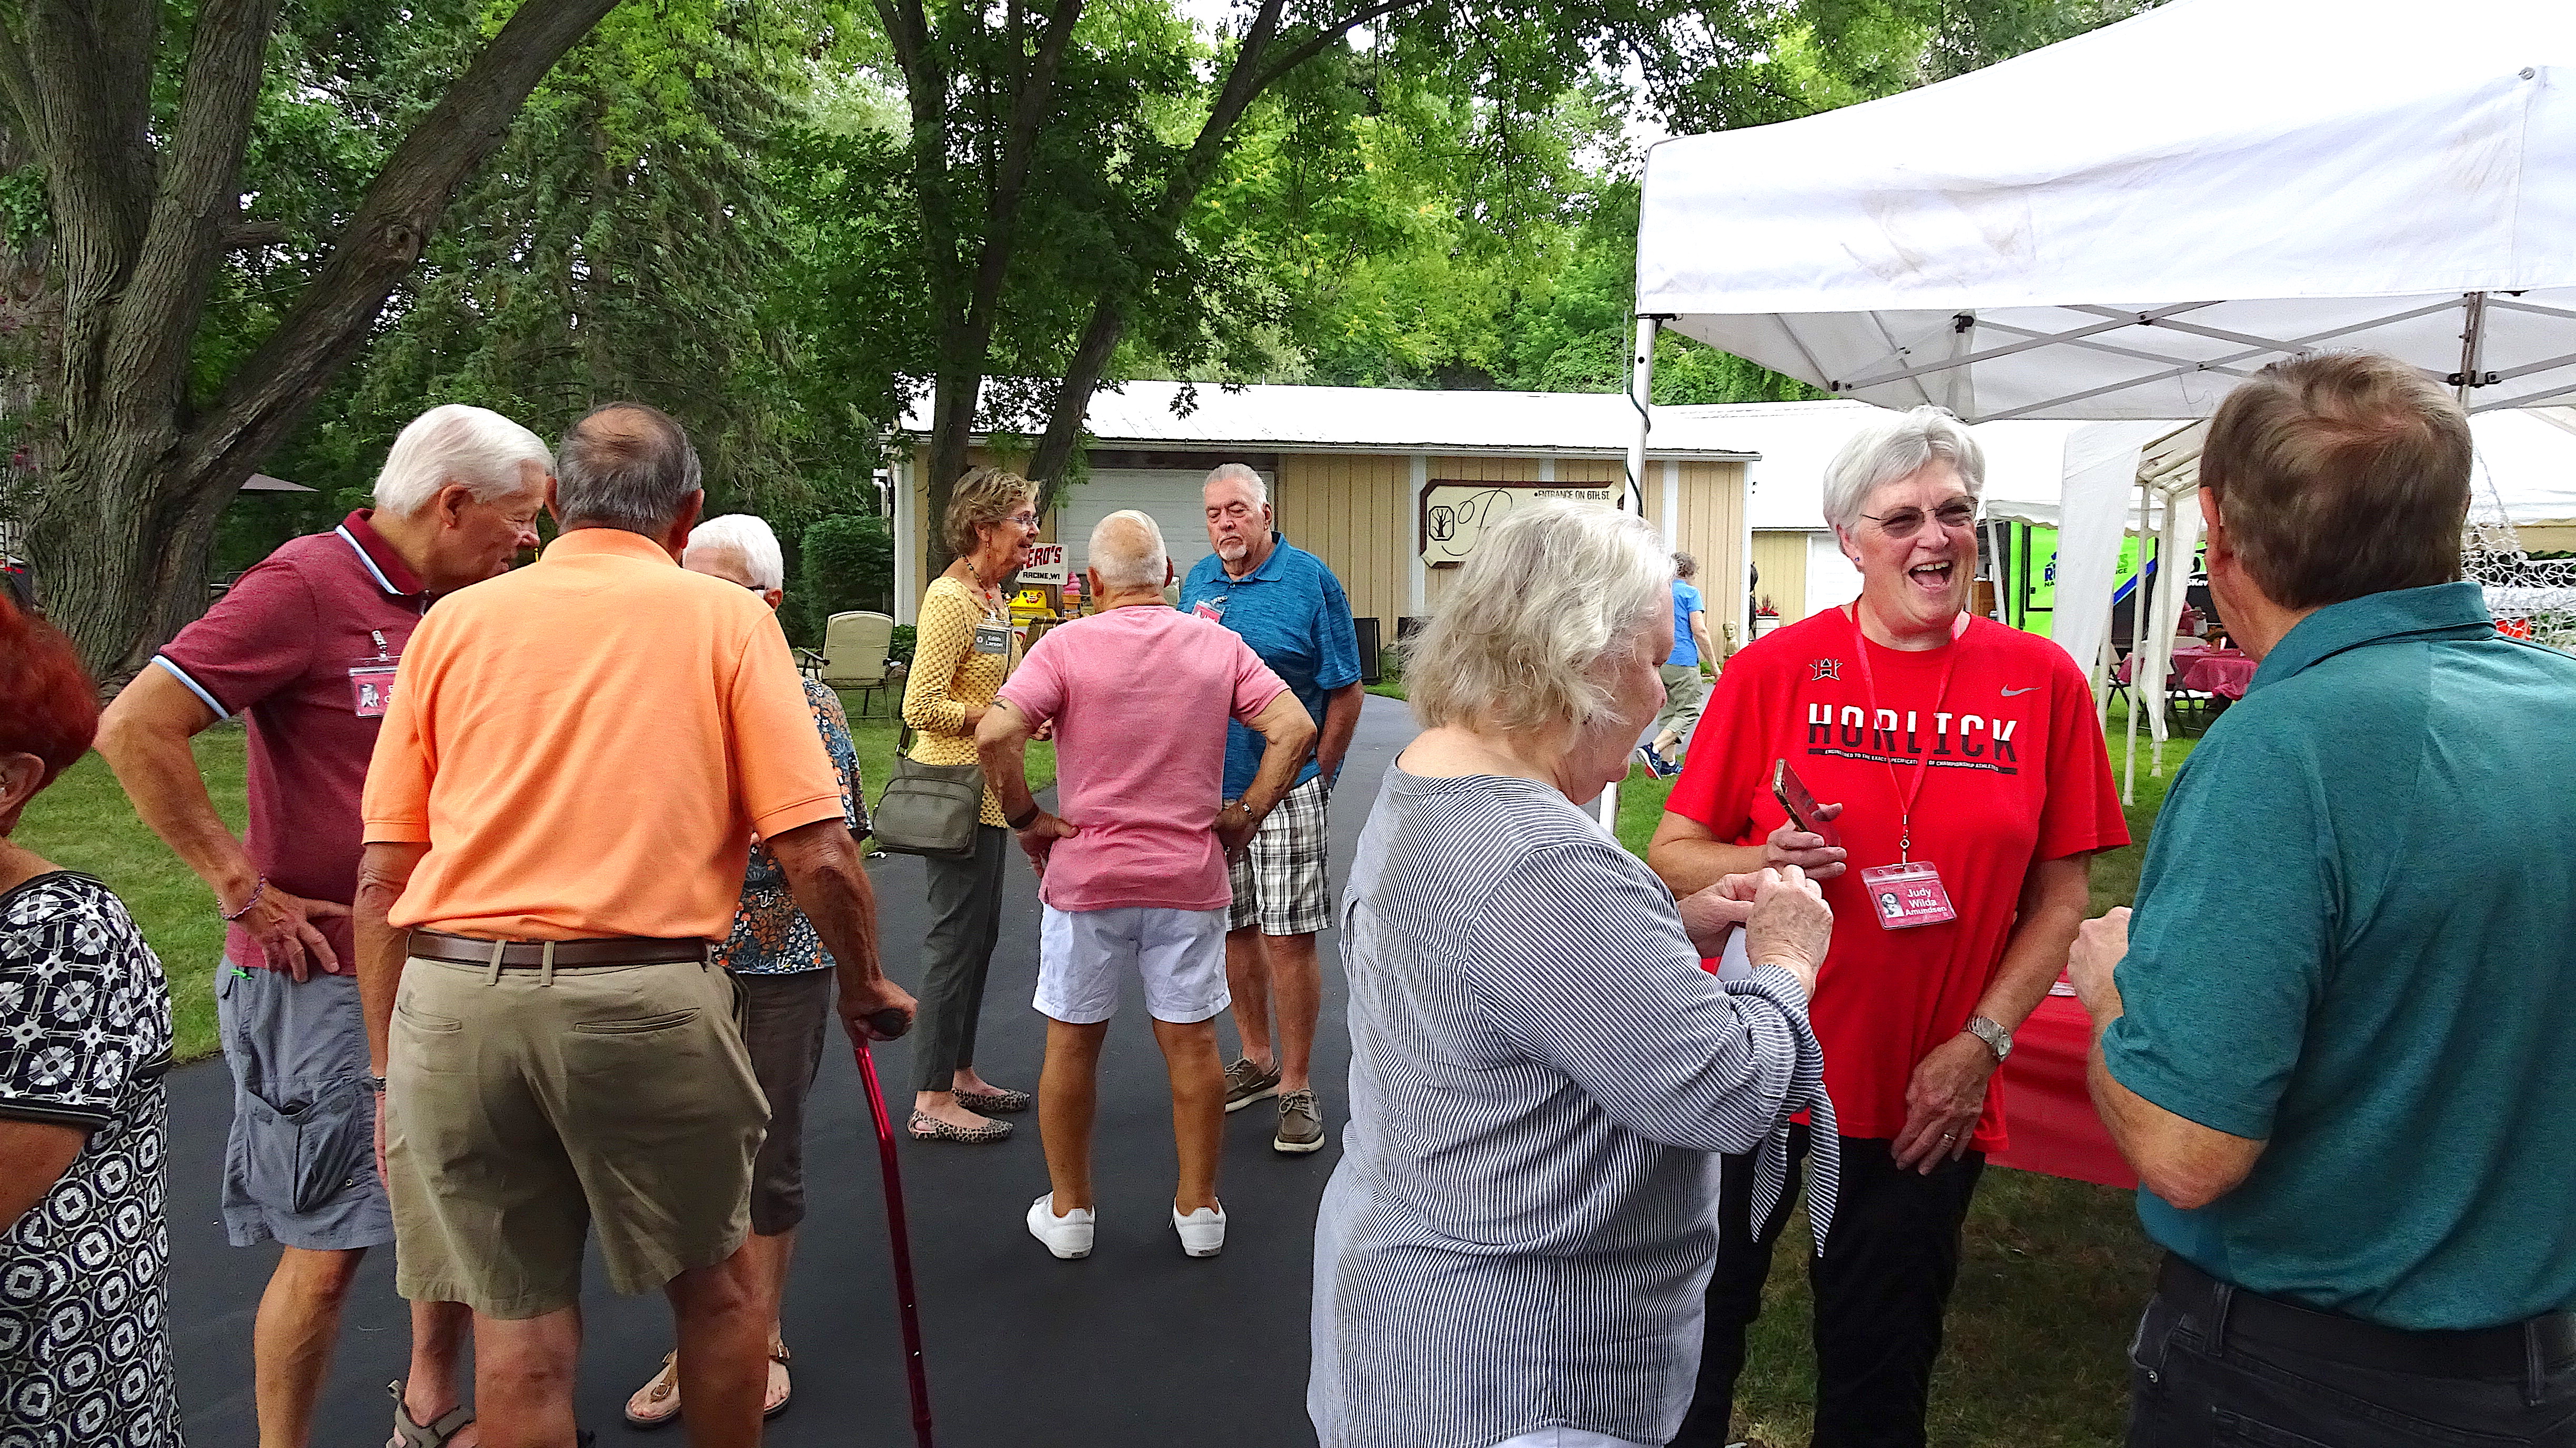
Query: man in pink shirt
(1134,874)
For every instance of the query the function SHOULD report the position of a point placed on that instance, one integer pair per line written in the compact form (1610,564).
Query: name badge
(992,638)
(1905,896)
(371,689)
(1211,609)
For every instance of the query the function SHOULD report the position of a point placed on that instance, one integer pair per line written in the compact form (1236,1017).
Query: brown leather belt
(568,954)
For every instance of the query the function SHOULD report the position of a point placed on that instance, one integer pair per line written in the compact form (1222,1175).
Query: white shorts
(1180,953)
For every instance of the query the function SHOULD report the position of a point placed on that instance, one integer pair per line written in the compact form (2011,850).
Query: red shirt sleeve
(2082,812)
(1729,754)
(256,640)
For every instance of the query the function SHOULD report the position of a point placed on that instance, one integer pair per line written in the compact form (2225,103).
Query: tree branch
(1314,45)
(19,84)
(383,241)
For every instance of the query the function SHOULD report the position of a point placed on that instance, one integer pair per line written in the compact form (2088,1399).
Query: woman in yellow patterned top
(963,653)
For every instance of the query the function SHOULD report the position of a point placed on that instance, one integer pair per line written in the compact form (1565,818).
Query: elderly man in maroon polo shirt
(304,647)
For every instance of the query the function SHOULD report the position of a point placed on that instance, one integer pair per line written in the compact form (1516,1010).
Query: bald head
(1127,552)
(626,465)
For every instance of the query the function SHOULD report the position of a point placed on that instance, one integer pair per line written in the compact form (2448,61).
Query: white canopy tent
(2123,225)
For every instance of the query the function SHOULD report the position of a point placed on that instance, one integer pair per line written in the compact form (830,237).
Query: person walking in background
(1133,875)
(84,1106)
(1967,774)
(1511,1249)
(1685,691)
(962,651)
(783,975)
(1290,608)
(560,811)
(304,647)
(2334,1038)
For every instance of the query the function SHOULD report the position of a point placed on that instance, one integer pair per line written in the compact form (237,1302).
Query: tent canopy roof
(2123,224)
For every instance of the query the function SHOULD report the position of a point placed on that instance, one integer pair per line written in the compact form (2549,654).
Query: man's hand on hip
(286,929)
(1037,839)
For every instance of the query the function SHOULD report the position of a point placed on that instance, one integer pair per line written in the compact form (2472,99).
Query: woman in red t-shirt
(1962,767)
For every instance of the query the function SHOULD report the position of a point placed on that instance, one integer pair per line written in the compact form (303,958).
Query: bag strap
(903,741)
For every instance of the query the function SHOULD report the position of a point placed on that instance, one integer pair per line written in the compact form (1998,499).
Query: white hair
(1127,551)
(473,447)
(1893,447)
(1550,593)
(747,538)
(1240,473)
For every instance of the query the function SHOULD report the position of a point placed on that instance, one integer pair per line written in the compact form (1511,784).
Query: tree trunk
(122,512)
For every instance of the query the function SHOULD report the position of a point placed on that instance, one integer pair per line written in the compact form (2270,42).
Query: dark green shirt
(2355,940)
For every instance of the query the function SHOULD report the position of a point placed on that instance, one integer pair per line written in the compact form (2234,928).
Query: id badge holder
(992,638)
(1906,896)
(1211,609)
(371,688)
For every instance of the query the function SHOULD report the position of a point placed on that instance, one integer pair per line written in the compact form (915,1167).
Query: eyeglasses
(1906,522)
(1025,520)
(754,587)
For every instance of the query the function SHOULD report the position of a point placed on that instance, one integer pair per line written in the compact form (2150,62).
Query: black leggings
(1880,1289)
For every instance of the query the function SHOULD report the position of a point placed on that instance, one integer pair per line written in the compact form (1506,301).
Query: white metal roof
(1269,418)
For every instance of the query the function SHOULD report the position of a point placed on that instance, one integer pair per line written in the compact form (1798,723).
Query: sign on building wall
(1046,566)
(1456,514)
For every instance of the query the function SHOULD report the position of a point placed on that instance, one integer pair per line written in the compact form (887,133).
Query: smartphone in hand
(1801,805)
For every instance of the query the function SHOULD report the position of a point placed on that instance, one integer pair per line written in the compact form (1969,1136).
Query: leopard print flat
(1002,1102)
(926,1127)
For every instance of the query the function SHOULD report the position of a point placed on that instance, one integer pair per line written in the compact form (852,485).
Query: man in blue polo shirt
(2341,1047)
(1291,609)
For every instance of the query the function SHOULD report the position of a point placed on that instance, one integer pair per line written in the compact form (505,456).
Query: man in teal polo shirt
(2341,1047)
(1290,608)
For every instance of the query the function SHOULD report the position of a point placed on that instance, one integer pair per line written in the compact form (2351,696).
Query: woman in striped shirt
(1513,1247)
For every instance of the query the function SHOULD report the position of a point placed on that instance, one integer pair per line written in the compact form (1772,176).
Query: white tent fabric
(2123,224)
(2098,507)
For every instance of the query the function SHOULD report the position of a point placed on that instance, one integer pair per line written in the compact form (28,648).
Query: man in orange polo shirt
(559,811)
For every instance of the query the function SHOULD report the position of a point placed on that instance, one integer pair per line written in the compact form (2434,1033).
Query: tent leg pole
(1641,395)
(2473,338)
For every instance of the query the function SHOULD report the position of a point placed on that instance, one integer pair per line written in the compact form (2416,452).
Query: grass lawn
(84,823)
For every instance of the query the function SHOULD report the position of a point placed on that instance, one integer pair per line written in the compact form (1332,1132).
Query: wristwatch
(1997,1039)
(376,1084)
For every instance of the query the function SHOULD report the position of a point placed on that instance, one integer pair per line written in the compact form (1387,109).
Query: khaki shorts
(523,1106)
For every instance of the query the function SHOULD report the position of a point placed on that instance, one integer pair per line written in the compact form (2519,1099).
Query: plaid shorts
(1279,882)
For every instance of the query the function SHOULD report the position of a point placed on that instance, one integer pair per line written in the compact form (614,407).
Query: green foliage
(846,563)
(900,647)
(25,213)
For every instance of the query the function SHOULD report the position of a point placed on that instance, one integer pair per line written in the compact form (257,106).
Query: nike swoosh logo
(2009,693)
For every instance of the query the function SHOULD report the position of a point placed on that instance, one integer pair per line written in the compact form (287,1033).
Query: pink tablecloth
(2213,672)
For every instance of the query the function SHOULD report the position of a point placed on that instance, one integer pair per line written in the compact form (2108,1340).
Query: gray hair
(1239,473)
(745,537)
(625,465)
(1685,566)
(1894,447)
(1549,594)
(1127,551)
(473,447)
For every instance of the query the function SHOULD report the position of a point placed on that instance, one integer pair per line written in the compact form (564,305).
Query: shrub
(846,563)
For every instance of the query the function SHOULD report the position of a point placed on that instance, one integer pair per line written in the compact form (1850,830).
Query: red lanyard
(1922,769)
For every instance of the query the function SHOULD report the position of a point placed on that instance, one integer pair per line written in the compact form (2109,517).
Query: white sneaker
(1068,1236)
(1202,1232)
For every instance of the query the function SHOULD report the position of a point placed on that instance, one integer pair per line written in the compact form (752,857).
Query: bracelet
(1026,820)
(255,892)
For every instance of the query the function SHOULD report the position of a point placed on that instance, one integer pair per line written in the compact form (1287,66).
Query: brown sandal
(412,1433)
(778,1356)
(926,1127)
(661,1396)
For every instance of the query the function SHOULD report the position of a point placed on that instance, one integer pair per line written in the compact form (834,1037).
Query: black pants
(1880,1290)
(965,925)
(2216,1365)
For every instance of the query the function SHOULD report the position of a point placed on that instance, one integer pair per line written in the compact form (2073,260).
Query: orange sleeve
(394,805)
(785,777)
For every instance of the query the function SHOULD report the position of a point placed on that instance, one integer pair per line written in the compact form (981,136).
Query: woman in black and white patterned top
(84,1043)
(1513,1247)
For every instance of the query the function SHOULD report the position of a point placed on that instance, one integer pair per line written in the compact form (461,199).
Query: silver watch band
(1996,1038)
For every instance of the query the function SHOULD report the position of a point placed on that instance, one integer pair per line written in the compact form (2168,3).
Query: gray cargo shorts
(299,1165)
